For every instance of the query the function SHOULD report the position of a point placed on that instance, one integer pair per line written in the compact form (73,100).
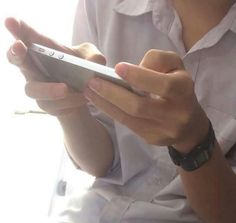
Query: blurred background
(33,163)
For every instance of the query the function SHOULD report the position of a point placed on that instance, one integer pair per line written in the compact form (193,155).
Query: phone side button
(61,56)
(41,50)
(51,53)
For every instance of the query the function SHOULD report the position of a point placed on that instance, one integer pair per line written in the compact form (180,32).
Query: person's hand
(54,98)
(169,114)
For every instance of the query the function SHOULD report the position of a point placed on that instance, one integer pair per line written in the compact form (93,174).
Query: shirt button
(61,188)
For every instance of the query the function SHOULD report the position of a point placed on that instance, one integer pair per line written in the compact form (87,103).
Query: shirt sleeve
(85,30)
(224,124)
(227,141)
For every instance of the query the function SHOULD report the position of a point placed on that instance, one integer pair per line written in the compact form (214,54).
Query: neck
(199,16)
(206,8)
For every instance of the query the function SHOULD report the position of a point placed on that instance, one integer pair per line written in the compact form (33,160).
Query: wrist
(73,114)
(194,136)
(199,154)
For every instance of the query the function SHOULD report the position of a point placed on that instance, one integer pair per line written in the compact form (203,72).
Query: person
(168,154)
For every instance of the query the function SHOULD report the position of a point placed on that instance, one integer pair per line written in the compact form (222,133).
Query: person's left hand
(169,114)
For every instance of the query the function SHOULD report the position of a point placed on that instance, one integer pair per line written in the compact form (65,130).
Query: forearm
(87,142)
(211,190)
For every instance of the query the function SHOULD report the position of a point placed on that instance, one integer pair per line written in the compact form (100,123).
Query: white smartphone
(72,70)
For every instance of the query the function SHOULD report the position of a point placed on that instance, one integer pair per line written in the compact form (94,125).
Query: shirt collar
(134,7)
(233,12)
(228,23)
(162,11)
(163,16)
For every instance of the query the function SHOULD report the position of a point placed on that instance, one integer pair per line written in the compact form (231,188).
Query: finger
(21,30)
(12,25)
(17,53)
(126,100)
(18,56)
(162,61)
(117,114)
(130,103)
(69,103)
(146,80)
(90,52)
(149,130)
(46,91)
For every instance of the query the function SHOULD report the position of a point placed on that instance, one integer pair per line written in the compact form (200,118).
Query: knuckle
(173,54)
(168,86)
(138,108)
(42,105)
(155,140)
(123,119)
(15,60)
(86,45)
(189,85)
(185,85)
(26,73)
(151,53)
(155,55)
(185,117)
(82,50)
(151,140)
(47,107)
(10,57)
(176,132)
(176,58)
(90,52)
(97,58)
(28,89)
(159,60)
(160,57)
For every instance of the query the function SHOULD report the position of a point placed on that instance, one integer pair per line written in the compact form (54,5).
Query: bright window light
(31,145)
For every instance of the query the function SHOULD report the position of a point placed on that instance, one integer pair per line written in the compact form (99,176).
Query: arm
(211,189)
(88,142)
(169,114)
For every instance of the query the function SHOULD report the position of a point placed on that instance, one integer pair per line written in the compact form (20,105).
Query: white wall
(30,145)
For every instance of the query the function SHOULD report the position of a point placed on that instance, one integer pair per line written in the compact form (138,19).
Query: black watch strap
(198,156)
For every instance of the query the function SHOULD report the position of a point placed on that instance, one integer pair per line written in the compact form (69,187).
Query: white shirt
(143,185)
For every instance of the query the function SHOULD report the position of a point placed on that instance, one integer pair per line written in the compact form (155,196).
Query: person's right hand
(54,98)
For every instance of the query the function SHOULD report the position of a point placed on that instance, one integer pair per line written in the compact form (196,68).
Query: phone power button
(61,56)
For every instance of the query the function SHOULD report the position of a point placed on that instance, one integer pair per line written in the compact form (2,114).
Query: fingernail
(122,70)
(87,94)
(12,51)
(95,84)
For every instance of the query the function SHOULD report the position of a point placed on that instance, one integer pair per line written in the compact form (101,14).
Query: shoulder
(99,5)
(92,20)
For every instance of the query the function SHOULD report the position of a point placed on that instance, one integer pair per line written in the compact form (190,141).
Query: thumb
(89,52)
(162,61)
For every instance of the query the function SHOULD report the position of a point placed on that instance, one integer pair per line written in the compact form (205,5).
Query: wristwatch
(198,156)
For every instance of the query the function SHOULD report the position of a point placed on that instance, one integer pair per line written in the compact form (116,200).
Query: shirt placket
(115,209)
(191,62)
